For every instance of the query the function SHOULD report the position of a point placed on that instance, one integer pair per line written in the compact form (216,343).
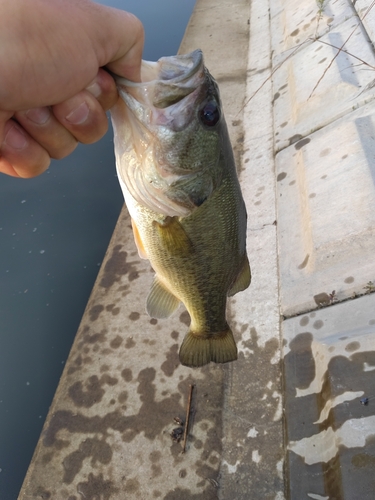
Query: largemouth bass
(176,169)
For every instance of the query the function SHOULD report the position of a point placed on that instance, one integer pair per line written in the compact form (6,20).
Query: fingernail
(15,138)
(94,89)
(38,115)
(78,115)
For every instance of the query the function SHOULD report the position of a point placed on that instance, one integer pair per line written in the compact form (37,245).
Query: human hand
(53,90)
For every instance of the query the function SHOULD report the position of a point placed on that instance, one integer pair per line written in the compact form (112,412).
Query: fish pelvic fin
(198,350)
(161,303)
(243,279)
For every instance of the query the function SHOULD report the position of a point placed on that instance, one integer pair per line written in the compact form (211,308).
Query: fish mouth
(165,82)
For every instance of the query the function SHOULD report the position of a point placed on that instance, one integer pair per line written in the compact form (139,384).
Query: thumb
(125,45)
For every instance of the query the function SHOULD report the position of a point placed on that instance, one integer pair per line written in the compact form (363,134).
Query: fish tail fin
(198,350)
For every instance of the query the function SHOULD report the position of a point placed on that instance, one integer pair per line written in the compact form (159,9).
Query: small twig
(188,409)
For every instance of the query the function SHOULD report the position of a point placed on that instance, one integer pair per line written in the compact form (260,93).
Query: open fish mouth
(165,82)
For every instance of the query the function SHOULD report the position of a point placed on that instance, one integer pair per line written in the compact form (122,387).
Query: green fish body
(177,172)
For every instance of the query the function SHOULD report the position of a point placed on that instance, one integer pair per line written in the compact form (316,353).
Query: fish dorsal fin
(139,244)
(242,280)
(173,237)
(161,303)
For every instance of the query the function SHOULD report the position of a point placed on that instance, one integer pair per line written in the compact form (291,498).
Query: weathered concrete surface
(325,148)
(366,13)
(326,200)
(107,435)
(301,104)
(329,363)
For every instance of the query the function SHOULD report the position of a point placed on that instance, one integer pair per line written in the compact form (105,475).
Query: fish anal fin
(138,242)
(243,279)
(198,350)
(173,237)
(161,303)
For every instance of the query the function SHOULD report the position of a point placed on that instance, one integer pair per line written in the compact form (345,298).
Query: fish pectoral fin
(138,242)
(161,303)
(243,279)
(173,237)
(198,350)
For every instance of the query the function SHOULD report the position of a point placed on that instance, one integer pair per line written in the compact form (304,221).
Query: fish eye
(210,113)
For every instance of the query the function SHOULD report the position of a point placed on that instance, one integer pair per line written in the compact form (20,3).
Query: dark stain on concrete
(302,143)
(325,152)
(240,139)
(127,374)
(117,266)
(93,391)
(42,493)
(295,138)
(254,404)
(130,426)
(123,396)
(47,457)
(94,338)
(318,324)
(281,176)
(349,279)
(129,343)
(198,444)
(302,358)
(304,320)
(155,456)
(156,470)
(352,346)
(114,310)
(172,361)
(97,449)
(95,311)
(175,335)
(134,316)
(132,485)
(363,460)
(348,469)
(304,263)
(96,487)
(153,321)
(116,342)
(322,299)
(185,318)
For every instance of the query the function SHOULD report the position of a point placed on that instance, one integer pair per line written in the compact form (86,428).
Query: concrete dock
(294,417)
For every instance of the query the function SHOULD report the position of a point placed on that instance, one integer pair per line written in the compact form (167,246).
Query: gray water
(54,231)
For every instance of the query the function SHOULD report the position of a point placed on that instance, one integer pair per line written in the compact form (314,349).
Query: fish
(176,169)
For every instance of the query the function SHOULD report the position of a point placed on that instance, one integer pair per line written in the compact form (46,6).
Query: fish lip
(196,58)
(164,83)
